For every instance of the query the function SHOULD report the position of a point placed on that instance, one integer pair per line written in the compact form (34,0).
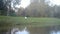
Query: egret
(25,17)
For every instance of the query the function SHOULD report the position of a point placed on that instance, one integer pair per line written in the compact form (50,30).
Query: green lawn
(31,21)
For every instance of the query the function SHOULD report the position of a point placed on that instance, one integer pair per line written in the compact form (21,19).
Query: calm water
(32,30)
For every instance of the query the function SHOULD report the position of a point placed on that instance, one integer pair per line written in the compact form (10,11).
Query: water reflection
(34,30)
(22,32)
(55,32)
(17,31)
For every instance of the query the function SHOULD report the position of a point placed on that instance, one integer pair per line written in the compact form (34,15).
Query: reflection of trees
(38,30)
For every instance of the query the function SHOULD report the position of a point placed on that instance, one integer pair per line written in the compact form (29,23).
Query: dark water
(31,30)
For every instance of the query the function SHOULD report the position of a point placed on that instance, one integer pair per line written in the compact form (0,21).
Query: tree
(20,11)
(7,6)
(36,8)
(1,4)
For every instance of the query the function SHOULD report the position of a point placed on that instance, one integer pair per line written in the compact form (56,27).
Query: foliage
(35,9)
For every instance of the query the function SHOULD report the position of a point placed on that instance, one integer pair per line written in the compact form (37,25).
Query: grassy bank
(32,21)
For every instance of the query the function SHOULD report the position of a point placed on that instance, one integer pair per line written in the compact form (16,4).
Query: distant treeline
(35,9)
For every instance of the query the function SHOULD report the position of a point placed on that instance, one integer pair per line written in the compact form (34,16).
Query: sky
(24,4)
(54,2)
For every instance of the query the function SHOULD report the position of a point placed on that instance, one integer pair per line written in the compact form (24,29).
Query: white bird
(25,17)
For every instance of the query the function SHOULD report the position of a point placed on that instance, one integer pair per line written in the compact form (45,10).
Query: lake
(30,30)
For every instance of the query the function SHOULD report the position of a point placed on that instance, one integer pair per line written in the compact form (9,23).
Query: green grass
(31,21)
